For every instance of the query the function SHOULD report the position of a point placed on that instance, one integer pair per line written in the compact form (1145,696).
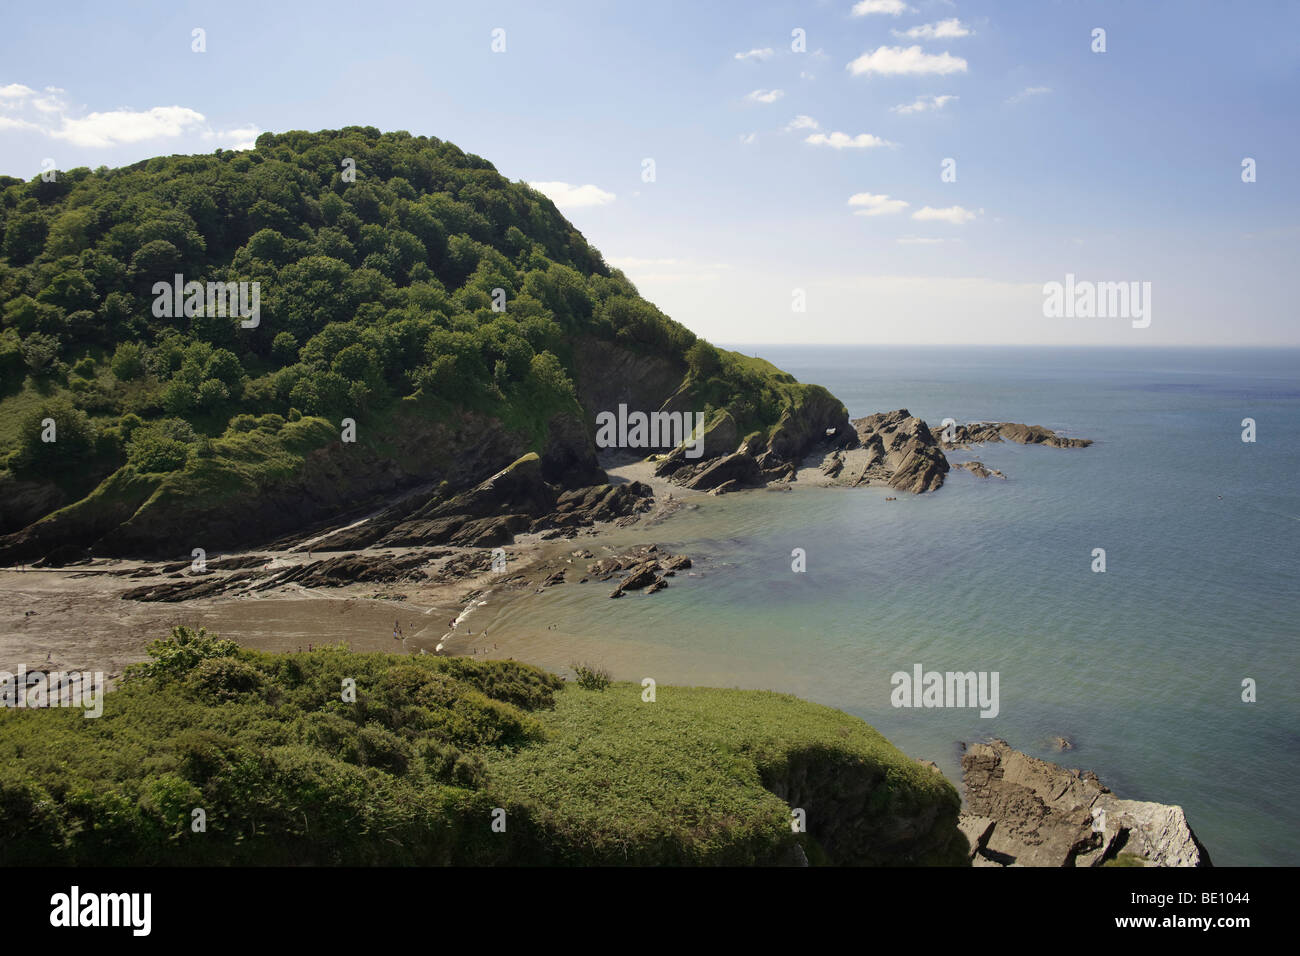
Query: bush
(160,446)
(591,677)
(74,439)
(703,361)
(128,362)
(175,656)
(225,678)
(40,351)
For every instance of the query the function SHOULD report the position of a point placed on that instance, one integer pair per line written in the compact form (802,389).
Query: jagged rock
(1045,815)
(980,432)
(739,467)
(720,437)
(901,451)
(552,580)
(819,420)
(586,506)
(640,576)
(978,469)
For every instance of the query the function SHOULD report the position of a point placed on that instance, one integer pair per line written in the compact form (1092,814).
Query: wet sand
(75,618)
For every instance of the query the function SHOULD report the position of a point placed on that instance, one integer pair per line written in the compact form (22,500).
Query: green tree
(40,352)
(55,441)
(128,362)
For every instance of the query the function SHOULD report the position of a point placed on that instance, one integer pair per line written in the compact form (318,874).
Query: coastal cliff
(1022,811)
(420,329)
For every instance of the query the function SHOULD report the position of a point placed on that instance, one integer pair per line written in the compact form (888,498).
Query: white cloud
(922,241)
(756,54)
(897,60)
(48,113)
(891,7)
(1029,91)
(805,75)
(923,103)
(129,126)
(748,138)
(566,196)
(802,122)
(765,96)
(867,204)
(244,137)
(943,30)
(956,215)
(845,141)
(7,122)
(15,91)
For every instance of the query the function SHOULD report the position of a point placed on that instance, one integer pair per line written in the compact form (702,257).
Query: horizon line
(1008,345)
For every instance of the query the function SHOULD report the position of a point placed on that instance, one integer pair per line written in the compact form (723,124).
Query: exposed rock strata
(978,469)
(514,500)
(1022,811)
(978,433)
(820,422)
(900,451)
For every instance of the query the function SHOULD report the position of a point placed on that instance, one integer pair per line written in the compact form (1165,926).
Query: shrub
(128,362)
(225,678)
(160,446)
(591,677)
(179,653)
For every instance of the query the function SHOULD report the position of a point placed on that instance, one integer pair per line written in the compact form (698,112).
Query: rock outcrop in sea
(1022,811)
(978,433)
(900,451)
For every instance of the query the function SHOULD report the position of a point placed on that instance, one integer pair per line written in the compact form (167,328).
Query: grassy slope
(287,772)
(688,777)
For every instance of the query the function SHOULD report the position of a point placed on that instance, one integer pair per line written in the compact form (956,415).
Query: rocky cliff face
(1022,811)
(157,516)
(518,498)
(818,423)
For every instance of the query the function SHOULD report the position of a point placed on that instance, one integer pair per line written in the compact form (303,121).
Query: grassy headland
(289,768)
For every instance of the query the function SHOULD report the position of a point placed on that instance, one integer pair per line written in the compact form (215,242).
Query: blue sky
(775,170)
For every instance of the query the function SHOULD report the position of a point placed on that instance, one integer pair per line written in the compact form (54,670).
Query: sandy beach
(76,618)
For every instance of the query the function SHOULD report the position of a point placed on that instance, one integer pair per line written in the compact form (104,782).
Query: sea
(1173,672)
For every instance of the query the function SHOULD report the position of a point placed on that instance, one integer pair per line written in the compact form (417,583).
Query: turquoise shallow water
(1142,666)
